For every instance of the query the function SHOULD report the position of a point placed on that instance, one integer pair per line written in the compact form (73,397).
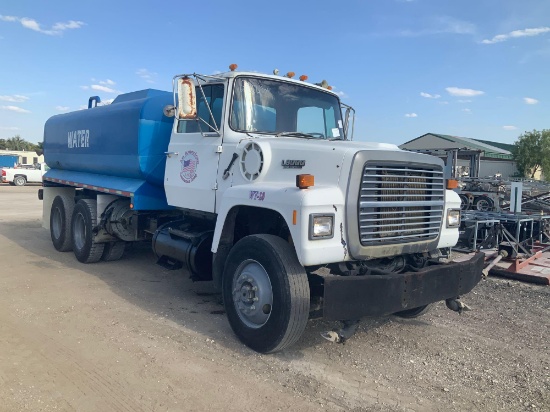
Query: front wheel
(266,293)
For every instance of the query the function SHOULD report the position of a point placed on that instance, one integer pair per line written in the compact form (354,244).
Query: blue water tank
(127,138)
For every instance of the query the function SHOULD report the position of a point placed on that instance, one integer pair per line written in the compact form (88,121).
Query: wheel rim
(56,222)
(252,294)
(79,231)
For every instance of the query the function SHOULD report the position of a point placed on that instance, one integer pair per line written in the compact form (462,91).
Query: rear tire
(19,181)
(266,293)
(83,221)
(60,222)
(113,251)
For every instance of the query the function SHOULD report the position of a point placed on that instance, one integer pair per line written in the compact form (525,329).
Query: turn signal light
(304,181)
(452,184)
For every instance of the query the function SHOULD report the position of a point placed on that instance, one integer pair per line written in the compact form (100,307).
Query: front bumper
(354,297)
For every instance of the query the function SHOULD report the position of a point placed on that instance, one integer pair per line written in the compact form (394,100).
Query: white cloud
(530,100)
(469,111)
(456,91)
(429,96)
(62,108)
(8,18)
(9,128)
(516,34)
(103,88)
(444,102)
(56,29)
(16,98)
(71,24)
(464,101)
(106,102)
(14,109)
(149,77)
(509,127)
(411,115)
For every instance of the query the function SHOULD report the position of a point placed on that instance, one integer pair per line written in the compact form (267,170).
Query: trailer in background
(8,161)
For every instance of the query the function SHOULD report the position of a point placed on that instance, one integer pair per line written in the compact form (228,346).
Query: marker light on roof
(290,75)
(303,77)
(275,72)
(329,87)
(232,67)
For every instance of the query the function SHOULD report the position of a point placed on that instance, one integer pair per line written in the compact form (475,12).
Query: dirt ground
(132,336)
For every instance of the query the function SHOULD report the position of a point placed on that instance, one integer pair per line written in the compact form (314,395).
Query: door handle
(170,154)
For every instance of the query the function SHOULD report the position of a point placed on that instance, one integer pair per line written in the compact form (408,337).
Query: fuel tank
(127,138)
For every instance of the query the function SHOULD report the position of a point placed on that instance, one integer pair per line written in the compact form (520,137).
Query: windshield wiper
(295,134)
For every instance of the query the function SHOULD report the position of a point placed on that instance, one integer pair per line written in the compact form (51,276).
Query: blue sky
(473,68)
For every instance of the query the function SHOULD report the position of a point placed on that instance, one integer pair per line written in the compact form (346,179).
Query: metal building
(489,158)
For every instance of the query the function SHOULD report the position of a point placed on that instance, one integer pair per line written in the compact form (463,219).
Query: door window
(214,98)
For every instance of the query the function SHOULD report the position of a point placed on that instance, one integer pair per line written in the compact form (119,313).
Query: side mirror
(187,99)
(346,121)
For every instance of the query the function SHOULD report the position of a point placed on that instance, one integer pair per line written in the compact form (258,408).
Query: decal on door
(189,163)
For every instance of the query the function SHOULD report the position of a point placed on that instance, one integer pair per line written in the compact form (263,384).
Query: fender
(285,200)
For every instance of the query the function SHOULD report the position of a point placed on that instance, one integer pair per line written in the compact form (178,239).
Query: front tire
(60,222)
(266,293)
(19,181)
(83,221)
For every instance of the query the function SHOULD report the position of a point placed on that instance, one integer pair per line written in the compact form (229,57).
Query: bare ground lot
(132,336)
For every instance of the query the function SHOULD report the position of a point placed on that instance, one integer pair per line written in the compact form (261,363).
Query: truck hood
(283,158)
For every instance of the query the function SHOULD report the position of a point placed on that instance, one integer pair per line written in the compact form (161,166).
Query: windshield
(284,108)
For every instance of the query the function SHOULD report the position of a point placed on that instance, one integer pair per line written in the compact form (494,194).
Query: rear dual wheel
(84,219)
(71,228)
(60,222)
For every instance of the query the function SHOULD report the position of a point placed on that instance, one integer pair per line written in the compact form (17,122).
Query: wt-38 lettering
(255,195)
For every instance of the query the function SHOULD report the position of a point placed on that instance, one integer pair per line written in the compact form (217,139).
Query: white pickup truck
(20,176)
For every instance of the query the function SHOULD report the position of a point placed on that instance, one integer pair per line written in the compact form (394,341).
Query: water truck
(253,181)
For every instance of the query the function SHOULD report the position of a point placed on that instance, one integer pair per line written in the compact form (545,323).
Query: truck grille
(400,203)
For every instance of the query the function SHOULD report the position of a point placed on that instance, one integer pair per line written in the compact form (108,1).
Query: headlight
(321,226)
(453,218)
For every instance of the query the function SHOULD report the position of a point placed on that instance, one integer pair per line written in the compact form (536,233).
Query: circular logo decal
(189,163)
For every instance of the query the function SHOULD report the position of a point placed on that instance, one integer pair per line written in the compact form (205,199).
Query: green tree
(532,153)
(16,143)
(39,148)
(3,144)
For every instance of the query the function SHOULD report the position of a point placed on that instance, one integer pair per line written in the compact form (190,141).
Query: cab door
(190,178)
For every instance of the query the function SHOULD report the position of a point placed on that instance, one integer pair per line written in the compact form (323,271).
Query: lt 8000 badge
(189,163)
